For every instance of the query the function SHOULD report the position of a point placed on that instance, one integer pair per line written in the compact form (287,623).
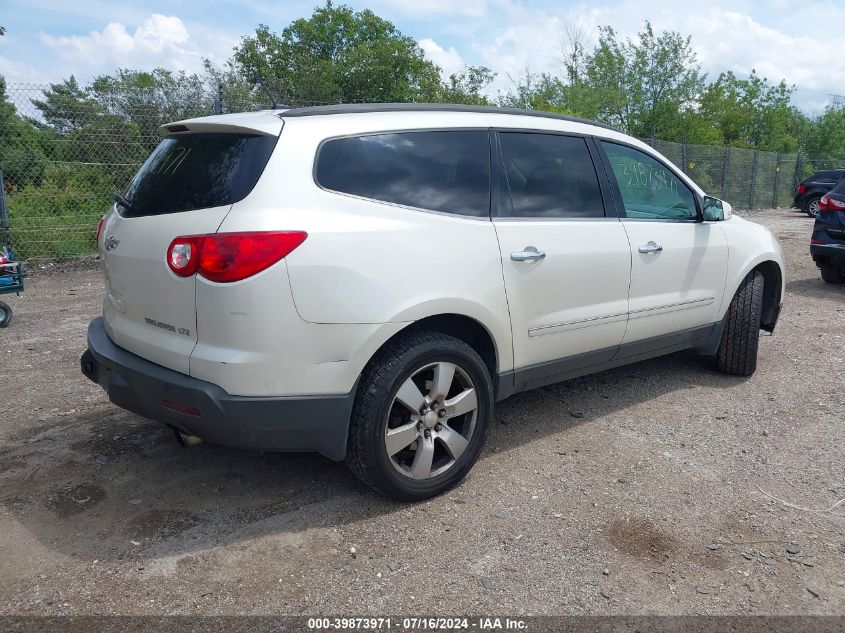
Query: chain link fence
(747,178)
(63,159)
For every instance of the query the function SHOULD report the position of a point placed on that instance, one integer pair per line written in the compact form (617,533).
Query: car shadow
(114,486)
(815,287)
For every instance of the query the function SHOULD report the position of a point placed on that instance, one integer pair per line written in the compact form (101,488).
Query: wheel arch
(773,279)
(815,192)
(772,293)
(465,328)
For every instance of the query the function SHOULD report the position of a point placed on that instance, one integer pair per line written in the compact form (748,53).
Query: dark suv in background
(811,189)
(827,245)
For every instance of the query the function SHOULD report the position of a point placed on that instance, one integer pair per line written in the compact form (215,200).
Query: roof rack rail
(350,108)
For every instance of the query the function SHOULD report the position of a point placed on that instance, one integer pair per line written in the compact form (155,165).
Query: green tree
(648,87)
(752,112)
(22,155)
(644,86)
(150,99)
(67,106)
(824,138)
(532,91)
(338,55)
(235,93)
(466,86)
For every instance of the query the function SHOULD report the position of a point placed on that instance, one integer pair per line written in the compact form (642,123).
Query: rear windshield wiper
(124,203)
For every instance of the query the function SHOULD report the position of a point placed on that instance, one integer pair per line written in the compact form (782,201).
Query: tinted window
(826,176)
(440,171)
(550,176)
(649,189)
(197,171)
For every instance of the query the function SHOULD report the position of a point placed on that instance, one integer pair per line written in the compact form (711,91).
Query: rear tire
(737,353)
(398,395)
(832,274)
(5,314)
(811,207)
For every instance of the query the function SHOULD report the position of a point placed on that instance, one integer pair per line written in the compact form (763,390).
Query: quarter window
(550,176)
(649,189)
(440,171)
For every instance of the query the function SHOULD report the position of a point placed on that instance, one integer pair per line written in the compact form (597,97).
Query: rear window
(198,171)
(440,171)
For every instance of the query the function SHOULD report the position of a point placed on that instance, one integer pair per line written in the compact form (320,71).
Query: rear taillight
(826,203)
(100,228)
(227,257)
(183,255)
(802,188)
(823,203)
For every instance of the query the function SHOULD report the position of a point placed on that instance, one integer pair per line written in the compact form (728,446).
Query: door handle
(530,254)
(651,248)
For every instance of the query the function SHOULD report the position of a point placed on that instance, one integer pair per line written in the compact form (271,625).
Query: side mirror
(716,210)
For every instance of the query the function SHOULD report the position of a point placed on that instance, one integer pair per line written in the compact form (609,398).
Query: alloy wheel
(431,420)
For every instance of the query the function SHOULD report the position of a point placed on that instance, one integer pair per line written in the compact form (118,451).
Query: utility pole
(218,99)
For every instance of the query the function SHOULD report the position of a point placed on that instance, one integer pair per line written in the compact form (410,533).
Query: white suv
(365,281)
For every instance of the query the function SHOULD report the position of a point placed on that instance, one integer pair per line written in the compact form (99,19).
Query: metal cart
(11,272)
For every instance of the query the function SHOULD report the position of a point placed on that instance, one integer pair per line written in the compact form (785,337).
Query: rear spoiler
(265,123)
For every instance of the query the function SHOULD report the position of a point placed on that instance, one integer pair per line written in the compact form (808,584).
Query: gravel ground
(649,489)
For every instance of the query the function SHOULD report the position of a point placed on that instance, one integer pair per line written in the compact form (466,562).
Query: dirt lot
(649,489)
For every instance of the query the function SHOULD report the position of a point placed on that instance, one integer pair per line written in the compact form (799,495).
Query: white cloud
(449,61)
(731,40)
(19,72)
(724,39)
(533,39)
(534,45)
(159,40)
(158,32)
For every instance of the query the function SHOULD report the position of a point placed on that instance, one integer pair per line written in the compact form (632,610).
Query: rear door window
(550,176)
(446,171)
(198,171)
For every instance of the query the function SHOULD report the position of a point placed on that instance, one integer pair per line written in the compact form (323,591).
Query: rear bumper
(828,254)
(300,423)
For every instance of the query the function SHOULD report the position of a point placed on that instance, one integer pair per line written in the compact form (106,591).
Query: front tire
(737,353)
(5,314)
(832,274)
(421,416)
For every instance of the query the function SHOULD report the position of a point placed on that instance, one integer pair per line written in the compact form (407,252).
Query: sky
(47,40)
